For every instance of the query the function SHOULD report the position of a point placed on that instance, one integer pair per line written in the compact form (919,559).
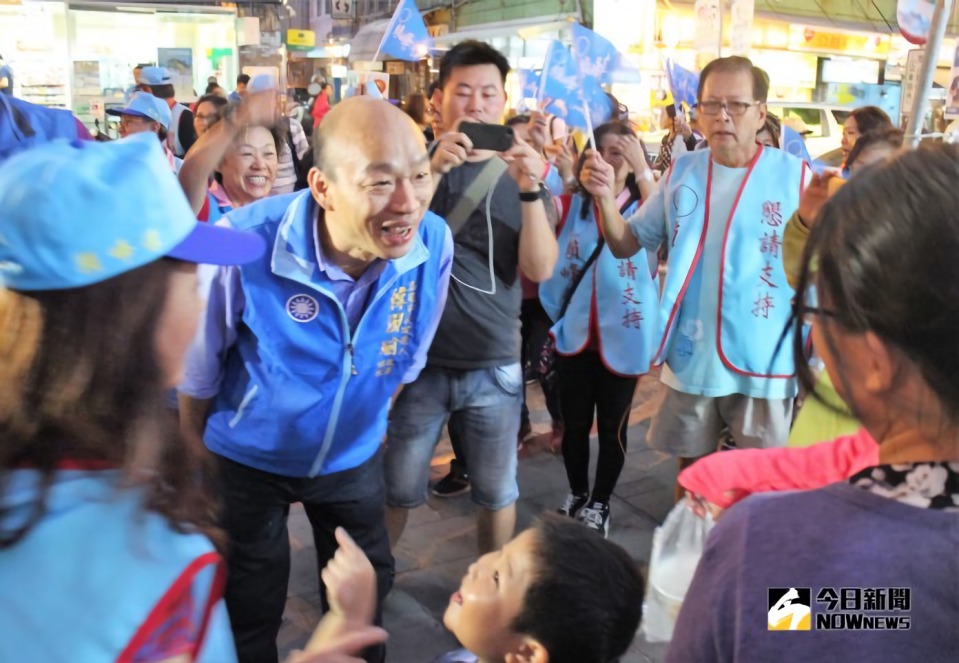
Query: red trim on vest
(217,589)
(155,619)
(722,269)
(204,214)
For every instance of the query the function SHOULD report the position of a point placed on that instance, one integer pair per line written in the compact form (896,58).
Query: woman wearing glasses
(879,548)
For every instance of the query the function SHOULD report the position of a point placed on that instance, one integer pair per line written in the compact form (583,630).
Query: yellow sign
(301,38)
(810,39)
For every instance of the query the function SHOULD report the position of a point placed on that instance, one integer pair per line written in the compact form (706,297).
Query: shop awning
(364,44)
(526,28)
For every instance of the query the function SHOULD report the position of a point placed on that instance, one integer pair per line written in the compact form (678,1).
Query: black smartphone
(495,137)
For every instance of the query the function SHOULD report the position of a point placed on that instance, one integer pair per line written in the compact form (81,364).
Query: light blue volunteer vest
(301,395)
(623,295)
(87,583)
(754,296)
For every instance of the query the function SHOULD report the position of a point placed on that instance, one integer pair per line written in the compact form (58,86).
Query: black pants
(585,384)
(535,331)
(255,509)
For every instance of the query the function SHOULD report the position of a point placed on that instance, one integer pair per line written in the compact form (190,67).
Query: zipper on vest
(352,359)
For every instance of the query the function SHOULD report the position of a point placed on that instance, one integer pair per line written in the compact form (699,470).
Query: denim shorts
(483,408)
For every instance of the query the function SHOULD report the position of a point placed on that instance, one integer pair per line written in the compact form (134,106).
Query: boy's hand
(350,582)
(342,648)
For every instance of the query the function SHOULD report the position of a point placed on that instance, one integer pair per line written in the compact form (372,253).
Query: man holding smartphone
(473,375)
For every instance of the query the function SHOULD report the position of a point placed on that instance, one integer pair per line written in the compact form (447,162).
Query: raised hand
(814,197)
(597,176)
(350,582)
(526,166)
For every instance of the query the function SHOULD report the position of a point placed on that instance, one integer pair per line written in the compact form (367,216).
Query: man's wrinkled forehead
(396,153)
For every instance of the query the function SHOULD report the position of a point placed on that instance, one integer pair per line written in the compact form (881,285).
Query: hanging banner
(910,79)
(952,99)
(915,19)
(741,26)
(708,31)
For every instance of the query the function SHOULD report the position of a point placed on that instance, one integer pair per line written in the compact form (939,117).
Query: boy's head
(557,593)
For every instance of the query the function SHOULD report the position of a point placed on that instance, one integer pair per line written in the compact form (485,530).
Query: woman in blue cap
(146,114)
(107,535)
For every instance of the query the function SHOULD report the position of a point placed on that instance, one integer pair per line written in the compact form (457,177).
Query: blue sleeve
(446,264)
(648,224)
(203,365)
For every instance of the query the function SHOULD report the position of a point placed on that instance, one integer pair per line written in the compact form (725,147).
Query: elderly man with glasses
(725,303)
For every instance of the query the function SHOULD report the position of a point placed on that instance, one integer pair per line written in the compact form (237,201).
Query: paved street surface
(440,541)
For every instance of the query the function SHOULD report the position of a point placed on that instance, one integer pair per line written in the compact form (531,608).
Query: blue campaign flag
(596,57)
(573,110)
(793,143)
(529,82)
(683,84)
(406,37)
(558,80)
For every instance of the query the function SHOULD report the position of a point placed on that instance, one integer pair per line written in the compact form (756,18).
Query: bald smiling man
(290,378)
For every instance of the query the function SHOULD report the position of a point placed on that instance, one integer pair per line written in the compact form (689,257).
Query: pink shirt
(747,471)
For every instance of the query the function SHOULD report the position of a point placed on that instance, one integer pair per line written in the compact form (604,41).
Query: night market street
(440,542)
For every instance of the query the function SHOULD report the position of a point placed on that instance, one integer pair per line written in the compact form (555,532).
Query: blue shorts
(483,408)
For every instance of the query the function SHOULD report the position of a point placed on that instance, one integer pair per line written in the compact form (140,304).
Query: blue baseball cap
(77,213)
(156,76)
(144,104)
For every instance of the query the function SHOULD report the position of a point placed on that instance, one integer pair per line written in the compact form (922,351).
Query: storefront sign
(910,79)
(342,9)
(809,39)
(741,26)
(86,78)
(300,40)
(395,68)
(180,63)
(952,94)
(708,31)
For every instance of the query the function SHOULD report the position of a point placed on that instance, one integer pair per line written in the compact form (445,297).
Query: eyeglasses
(732,108)
(808,313)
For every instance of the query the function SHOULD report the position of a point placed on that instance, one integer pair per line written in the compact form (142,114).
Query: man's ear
(529,650)
(320,188)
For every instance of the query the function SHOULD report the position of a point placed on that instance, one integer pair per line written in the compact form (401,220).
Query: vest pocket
(247,397)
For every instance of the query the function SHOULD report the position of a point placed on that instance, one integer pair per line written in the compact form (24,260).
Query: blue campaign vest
(301,395)
(622,294)
(87,583)
(754,295)
(24,125)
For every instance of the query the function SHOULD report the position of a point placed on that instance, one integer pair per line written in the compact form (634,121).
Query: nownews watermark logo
(845,609)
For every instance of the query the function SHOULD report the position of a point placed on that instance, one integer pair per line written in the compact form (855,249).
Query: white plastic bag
(677,546)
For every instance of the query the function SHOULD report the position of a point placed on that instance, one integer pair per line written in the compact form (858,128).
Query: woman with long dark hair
(860,121)
(877,551)
(106,515)
(108,537)
(604,311)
